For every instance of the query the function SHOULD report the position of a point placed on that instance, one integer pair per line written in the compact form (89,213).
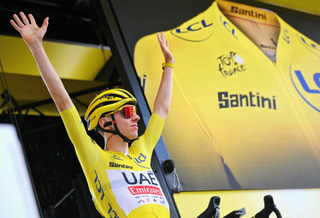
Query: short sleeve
(149,139)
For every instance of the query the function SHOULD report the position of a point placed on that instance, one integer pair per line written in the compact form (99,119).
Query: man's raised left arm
(163,98)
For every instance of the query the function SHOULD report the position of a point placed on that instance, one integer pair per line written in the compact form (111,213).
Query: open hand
(29,31)
(165,48)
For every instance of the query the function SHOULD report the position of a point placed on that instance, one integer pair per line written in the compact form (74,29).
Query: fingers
(18,21)
(162,40)
(18,24)
(24,18)
(163,37)
(32,20)
(15,25)
(164,44)
(45,24)
(158,36)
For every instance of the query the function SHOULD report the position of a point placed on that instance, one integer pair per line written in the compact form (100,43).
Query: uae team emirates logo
(135,188)
(142,183)
(141,190)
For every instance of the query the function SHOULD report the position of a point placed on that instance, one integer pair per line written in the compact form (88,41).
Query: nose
(135,117)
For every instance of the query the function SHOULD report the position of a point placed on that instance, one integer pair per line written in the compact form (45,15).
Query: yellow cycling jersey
(121,185)
(245,109)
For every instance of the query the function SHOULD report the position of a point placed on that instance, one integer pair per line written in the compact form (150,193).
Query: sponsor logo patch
(248,13)
(231,64)
(117,157)
(227,100)
(196,31)
(138,190)
(308,86)
(123,166)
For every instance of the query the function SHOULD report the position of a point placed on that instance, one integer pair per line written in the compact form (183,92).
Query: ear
(103,122)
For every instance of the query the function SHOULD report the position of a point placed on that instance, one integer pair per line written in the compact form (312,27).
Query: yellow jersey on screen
(121,185)
(245,110)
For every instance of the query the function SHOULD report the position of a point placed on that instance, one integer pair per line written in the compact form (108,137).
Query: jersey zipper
(154,211)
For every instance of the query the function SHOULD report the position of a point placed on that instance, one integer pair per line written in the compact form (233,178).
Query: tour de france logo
(307,85)
(231,64)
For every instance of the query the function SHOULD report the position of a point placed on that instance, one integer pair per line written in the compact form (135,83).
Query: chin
(133,137)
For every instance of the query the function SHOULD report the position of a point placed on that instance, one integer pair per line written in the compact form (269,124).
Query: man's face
(127,126)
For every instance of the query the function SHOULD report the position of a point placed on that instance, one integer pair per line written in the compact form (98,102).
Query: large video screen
(245,110)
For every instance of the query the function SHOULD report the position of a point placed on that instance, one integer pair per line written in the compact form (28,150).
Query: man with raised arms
(120,178)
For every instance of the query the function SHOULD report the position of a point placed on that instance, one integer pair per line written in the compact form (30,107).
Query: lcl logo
(308,87)
(196,31)
(228,26)
(194,27)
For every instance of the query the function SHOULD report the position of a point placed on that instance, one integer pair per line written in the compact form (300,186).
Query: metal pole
(67,195)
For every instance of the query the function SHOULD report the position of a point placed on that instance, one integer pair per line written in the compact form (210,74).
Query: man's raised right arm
(33,36)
